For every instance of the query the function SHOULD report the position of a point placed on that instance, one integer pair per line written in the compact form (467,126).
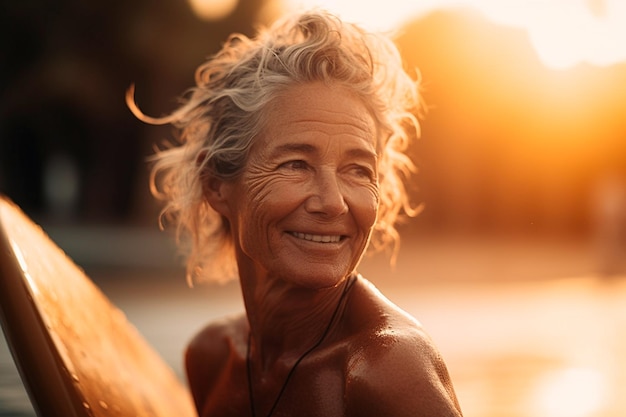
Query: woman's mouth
(317,238)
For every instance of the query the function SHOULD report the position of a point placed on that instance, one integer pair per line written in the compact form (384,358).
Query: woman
(289,165)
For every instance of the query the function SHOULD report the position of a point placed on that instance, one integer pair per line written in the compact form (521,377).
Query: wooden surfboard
(76,352)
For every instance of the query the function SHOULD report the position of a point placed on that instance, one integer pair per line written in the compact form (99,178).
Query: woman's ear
(216,193)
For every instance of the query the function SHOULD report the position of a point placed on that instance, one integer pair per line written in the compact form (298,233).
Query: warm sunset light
(563,32)
(213,9)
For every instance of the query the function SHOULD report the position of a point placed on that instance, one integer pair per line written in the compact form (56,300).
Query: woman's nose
(327,196)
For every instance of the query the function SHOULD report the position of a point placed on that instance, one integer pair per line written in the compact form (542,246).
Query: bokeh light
(572,392)
(213,9)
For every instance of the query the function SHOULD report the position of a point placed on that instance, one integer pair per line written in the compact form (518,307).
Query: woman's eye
(363,172)
(294,165)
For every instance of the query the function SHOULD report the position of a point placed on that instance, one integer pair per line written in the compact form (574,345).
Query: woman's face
(306,202)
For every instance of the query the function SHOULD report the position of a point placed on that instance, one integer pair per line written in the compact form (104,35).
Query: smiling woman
(308,198)
(290,163)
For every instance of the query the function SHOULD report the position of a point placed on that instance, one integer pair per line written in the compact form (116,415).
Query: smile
(317,238)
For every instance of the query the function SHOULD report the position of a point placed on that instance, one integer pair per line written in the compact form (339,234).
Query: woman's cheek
(364,202)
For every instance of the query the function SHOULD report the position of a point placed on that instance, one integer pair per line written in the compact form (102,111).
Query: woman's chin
(317,278)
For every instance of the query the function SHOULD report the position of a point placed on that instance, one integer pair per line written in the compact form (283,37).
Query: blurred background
(516,266)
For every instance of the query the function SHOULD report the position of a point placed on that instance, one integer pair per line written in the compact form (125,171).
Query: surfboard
(76,352)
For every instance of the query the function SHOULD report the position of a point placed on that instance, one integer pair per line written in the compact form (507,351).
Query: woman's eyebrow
(304,148)
(359,153)
(308,149)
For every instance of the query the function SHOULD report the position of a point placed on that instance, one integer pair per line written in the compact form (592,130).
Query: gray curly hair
(223,113)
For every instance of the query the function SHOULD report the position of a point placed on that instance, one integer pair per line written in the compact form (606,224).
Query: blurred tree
(64,70)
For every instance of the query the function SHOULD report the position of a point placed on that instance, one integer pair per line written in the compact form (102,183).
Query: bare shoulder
(208,352)
(217,335)
(397,369)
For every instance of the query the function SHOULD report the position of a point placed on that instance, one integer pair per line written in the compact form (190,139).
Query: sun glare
(564,33)
(568,32)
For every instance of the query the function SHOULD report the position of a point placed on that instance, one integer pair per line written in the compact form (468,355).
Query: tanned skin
(301,216)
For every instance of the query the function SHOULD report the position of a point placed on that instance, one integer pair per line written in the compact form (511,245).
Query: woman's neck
(285,319)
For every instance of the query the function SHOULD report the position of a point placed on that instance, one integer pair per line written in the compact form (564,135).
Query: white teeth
(317,238)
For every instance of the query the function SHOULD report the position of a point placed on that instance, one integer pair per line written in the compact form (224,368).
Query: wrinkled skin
(301,216)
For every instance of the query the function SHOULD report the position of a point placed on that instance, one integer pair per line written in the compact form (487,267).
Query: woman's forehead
(319,108)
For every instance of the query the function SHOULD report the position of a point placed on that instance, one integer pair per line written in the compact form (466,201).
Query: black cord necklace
(351,279)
